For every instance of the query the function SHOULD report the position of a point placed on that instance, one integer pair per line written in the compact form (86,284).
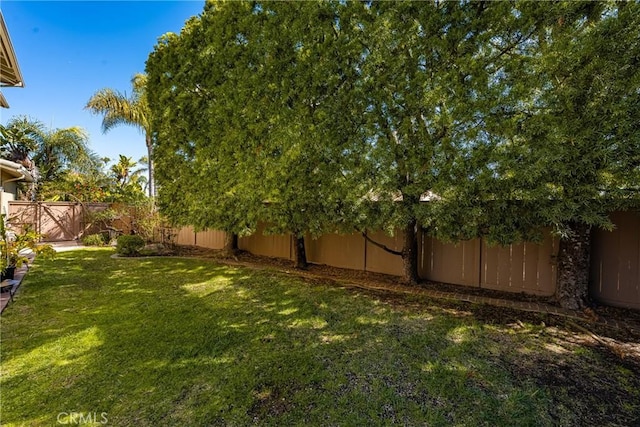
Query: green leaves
(119,109)
(584,95)
(20,138)
(330,116)
(49,154)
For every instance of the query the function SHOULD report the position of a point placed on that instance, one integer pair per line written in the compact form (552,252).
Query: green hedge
(94,240)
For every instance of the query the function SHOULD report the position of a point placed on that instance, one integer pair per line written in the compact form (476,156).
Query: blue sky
(67,50)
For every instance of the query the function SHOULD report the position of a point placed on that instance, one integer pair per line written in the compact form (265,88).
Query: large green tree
(310,149)
(203,149)
(118,108)
(431,82)
(573,153)
(269,147)
(467,119)
(323,107)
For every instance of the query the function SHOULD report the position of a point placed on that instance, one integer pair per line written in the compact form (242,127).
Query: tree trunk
(410,253)
(300,253)
(230,244)
(572,290)
(152,184)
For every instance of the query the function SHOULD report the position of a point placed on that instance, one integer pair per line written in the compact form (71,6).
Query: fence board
(380,261)
(86,225)
(546,267)
(525,267)
(451,263)
(23,215)
(615,262)
(186,236)
(211,239)
(343,251)
(273,245)
(59,222)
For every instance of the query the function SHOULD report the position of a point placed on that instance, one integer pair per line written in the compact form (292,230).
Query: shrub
(129,245)
(94,240)
(145,218)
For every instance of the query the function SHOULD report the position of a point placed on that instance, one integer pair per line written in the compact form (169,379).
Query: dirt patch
(268,402)
(589,393)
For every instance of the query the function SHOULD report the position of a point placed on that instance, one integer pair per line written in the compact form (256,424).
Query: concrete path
(66,246)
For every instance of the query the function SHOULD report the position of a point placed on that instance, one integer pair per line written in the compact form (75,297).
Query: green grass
(158,341)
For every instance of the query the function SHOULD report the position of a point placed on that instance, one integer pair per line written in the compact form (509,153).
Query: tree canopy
(463,119)
(48,154)
(65,168)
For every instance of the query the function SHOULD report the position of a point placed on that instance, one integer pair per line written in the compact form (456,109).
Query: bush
(129,245)
(94,240)
(144,218)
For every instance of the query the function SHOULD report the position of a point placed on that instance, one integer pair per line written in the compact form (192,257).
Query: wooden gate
(56,221)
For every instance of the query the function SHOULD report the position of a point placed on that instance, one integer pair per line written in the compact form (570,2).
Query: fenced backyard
(528,267)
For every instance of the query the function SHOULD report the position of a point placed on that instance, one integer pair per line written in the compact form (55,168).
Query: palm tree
(47,154)
(122,171)
(117,108)
(129,181)
(143,162)
(63,149)
(19,138)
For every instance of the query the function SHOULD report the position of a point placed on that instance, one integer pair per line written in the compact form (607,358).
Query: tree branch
(380,245)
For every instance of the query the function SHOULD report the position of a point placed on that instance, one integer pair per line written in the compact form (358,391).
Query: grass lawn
(189,342)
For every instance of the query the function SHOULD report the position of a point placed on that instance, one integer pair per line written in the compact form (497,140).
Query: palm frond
(117,109)
(110,121)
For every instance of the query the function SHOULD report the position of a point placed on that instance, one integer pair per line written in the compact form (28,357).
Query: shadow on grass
(190,342)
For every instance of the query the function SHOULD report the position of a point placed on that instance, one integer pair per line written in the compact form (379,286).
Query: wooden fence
(615,262)
(56,221)
(527,267)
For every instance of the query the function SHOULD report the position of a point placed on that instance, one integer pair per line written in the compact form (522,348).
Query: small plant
(97,239)
(129,245)
(14,247)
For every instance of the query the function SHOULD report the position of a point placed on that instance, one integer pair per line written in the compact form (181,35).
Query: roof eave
(3,101)
(10,75)
(16,170)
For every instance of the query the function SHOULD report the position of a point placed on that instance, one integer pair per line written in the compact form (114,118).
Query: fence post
(480,261)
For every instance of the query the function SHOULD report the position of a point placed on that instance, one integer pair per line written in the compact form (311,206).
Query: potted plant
(14,248)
